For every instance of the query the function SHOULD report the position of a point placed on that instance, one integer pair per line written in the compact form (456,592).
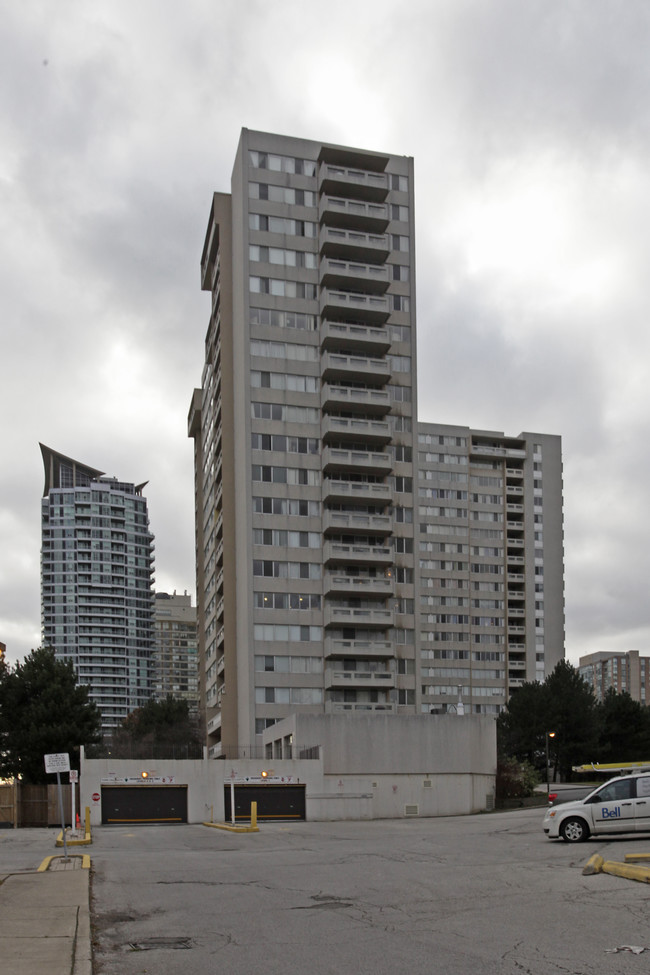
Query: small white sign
(57,763)
(74,775)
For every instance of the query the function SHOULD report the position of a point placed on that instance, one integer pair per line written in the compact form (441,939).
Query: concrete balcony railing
(334,615)
(515,472)
(370,401)
(349,428)
(353,214)
(368,649)
(354,244)
(354,337)
(365,587)
(357,554)
(355,368)
(364,307)
(354,275)
(487,450)
(214,724)
(359,183)
(335,678)
(348,522)
(336,707)
(364,492)
(335,459)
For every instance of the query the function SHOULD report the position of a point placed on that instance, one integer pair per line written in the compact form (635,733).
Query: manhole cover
(147,944)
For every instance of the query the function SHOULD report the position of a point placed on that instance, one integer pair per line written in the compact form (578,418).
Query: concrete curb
(47,862)
(628,870)
(229,827)
(70,841)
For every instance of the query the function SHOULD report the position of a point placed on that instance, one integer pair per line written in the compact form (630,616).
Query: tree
(563,704)
(625,729)
(574,717)
(159,725)
(43,711)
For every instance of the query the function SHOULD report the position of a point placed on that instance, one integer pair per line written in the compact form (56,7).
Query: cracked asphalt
(475,894)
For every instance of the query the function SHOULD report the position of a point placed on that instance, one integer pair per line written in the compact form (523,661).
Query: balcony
(353,368)
(353,244)
(354,337)
(358,461)
(367,649)
(516,559)
(358,183)
(349,399)
(493,450)
(354,304)
(348,522)
(338,707)
(515,682)
(339,616)
(353,214)
(334,678)
(514,491)
(351,275)
(346,428)
(357,554)
(363,492)
(516,630)
(214,724)
(515,472)
(364,587)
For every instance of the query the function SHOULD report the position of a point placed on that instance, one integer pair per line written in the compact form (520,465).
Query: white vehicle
(621,805)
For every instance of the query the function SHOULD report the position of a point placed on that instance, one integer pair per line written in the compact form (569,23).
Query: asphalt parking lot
(488,894)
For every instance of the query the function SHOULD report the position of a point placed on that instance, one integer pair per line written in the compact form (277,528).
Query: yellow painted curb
(86,841)
(593,865)
(234,829)
(627,870)
(637,857)
(45,865)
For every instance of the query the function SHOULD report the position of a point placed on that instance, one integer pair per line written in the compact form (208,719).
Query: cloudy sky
(529,121)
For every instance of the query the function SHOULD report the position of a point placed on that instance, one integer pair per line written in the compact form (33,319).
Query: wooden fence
(34,805)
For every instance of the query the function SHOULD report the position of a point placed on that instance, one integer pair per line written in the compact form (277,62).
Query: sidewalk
(45,920)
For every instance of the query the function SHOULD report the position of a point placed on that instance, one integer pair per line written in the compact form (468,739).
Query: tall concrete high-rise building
(303,433)
(491,556)
(309,524)
(96,582)
(175,656)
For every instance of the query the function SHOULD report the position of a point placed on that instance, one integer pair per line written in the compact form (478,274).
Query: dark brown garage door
(273,801)
(144,804)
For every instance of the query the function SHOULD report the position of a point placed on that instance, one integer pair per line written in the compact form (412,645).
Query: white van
(621,805)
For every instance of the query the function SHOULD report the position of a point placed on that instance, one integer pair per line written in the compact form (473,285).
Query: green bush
(515,780)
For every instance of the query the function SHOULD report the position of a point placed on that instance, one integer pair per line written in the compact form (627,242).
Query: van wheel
(574,831)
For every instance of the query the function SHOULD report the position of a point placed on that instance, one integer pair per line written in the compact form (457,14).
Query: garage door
(273,801)
(144,804)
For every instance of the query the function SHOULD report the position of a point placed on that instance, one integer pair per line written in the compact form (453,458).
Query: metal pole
(58,787)
(232,802)
(548,786)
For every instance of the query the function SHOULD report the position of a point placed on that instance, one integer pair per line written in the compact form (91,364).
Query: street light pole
(547,735)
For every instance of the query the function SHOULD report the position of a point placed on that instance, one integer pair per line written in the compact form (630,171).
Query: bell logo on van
(610,813)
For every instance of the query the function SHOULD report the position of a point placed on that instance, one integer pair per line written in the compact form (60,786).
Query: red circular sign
(96,797)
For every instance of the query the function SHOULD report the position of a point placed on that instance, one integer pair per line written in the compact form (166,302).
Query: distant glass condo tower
(96,583)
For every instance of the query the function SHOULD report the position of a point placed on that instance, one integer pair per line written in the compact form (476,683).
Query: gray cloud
(529,125)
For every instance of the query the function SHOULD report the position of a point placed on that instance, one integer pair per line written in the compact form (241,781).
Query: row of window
(282,225)
(285,475)
(285,412)
(286,600)
(281,288)
(283,319)
(282,444)
(282,194)
(286,539)
(285,381)
(286,506)
(280,632)
(288,695)
(282,256)
(285,350)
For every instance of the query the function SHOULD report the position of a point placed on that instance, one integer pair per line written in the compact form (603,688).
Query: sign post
(74,777)
(59,763)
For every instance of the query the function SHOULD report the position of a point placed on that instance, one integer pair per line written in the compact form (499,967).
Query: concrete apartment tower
(303,433)
(491,558)
(96,578)
(175,656)
(317,509)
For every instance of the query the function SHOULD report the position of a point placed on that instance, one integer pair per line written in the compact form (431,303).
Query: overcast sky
(529,121)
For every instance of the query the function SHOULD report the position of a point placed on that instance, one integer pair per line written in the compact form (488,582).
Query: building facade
(491,564)
(96,579)
(625,671)
(308,500)
(175,669)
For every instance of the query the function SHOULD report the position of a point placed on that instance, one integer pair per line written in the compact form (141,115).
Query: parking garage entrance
(145,804)
(274,802)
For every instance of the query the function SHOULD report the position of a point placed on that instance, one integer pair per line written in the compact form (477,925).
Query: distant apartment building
(175,669)
(96,577)
(621,671)
(310,531)
(491,597)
